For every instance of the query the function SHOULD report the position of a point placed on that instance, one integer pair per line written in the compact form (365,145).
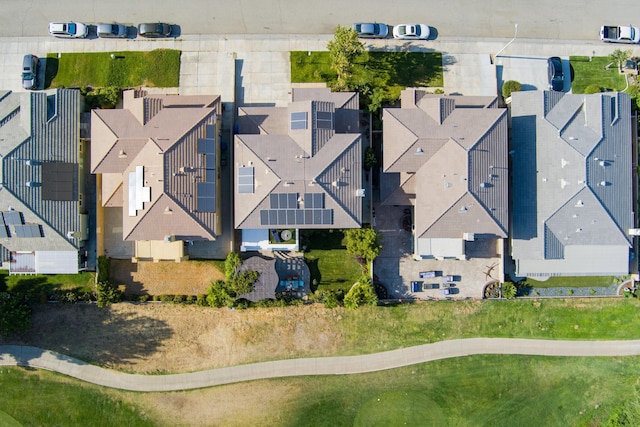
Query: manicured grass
(572,282)
(159,68)
(41,398)
(393,70)
(485,390)
(374,329)
(330,264)
(83,281)
(588,72)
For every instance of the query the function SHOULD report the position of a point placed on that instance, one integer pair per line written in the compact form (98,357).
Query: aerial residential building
(298,167)
(43,221)
(157,160)
(447,158)
(572,163)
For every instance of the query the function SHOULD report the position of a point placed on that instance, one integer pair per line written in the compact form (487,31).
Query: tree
(363,242)
(361,293)
(508,290)
(343,50)
(370,159)
(619,57)
(15,313)
(510,86)
(242,283)
(231,264)
(219,295)
(592,88)
(107,294)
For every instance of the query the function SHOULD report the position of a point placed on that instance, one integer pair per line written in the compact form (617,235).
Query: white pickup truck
(620,34)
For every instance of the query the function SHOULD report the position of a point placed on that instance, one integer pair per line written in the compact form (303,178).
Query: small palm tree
(619,57)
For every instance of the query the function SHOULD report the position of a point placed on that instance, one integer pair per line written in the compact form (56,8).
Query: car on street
(30,67)
(154,29)
(111,31)
(620,34)
(371,30)
(556,76)
(411,32)
(68,29)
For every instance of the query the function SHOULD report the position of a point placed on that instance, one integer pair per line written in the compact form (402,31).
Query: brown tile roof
(161,134)
(458,156)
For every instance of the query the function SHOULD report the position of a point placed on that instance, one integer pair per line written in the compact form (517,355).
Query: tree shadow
(51,70)
(94,335)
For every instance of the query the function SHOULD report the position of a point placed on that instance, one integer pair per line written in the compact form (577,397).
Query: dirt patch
(165,277)
(159,338)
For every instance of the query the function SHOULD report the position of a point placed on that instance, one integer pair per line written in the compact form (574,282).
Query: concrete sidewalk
(52,361)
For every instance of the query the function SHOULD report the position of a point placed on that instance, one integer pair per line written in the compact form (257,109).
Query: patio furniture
(427,274)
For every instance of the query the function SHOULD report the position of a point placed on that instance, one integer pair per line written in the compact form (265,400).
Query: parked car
(111,31)
(371,30)
(620,34)
(30,67)
(411,32)
(68,29)
(556,76)
(155,29)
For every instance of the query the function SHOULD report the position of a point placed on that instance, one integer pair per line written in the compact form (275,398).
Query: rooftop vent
(579,204)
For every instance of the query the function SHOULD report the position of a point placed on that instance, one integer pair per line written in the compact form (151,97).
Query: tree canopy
(363,242)
(344,49)
(362,293)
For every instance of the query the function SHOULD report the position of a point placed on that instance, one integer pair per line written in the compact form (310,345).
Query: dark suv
(156,29)
(30,66)
(556,76)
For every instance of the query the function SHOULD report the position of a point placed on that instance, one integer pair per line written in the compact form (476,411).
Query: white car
(411,32)
(68,29)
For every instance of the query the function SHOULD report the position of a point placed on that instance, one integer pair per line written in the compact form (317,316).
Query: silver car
(112,31)
(371,30)
(30,67)
(68,29)
(411,32)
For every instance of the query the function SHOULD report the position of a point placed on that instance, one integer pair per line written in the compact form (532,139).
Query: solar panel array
(283,200)
(206,197)
(245,180)
(299,120)
(314,200)
(28,230)
(12,218)
(296,217)
(324,120)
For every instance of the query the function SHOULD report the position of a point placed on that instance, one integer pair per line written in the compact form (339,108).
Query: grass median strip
(156,68)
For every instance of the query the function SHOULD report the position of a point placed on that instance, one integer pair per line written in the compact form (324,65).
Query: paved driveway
(531,71)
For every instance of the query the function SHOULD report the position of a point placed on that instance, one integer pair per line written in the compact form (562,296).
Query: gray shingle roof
(39,130)
(572,182)
(322,154)
(458,153)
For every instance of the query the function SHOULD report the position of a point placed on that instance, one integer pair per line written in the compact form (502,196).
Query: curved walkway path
(52,361)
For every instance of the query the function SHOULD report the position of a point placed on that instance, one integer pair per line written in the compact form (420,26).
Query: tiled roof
(572,172)
(457,149)
(164,135)
(39,131)
(321,153)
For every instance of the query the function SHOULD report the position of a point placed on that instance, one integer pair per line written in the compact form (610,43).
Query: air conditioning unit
(169,239)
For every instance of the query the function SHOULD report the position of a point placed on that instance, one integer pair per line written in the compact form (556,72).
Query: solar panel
(308,216)
(327,216)
(206,197)
(264,217)
(299,120)
(299,216)
(317,216)
(324,115)
(3,231)
(283,200)
(210,175)
(12,217)
(282,217)
(210,131)
(291,217)
(28,230)
(324,120)
(206,146)
(274,201)
(318,200)
(273,217)
(245,180)
(293,200)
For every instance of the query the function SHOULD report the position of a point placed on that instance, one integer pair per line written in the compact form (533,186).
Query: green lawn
(588,72)
(572,282)
(330,264)
(41,398)
(392,70)
(486,390)
(83,281)
(159,68)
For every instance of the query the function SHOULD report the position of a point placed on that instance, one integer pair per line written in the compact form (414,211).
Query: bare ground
(161,338)
(165,277)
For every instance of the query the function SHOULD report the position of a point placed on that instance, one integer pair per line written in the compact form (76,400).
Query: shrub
(231,264)
(362,293)
(107,294)
(15,313)
(510,86)
(593,88)
(592,291)
(570,292)
(219,295)
(190,299)
(439,91)
(102,97)
(143,298)
(201,300)
(508,290)
(166,298)
(103,270)
(178,299)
